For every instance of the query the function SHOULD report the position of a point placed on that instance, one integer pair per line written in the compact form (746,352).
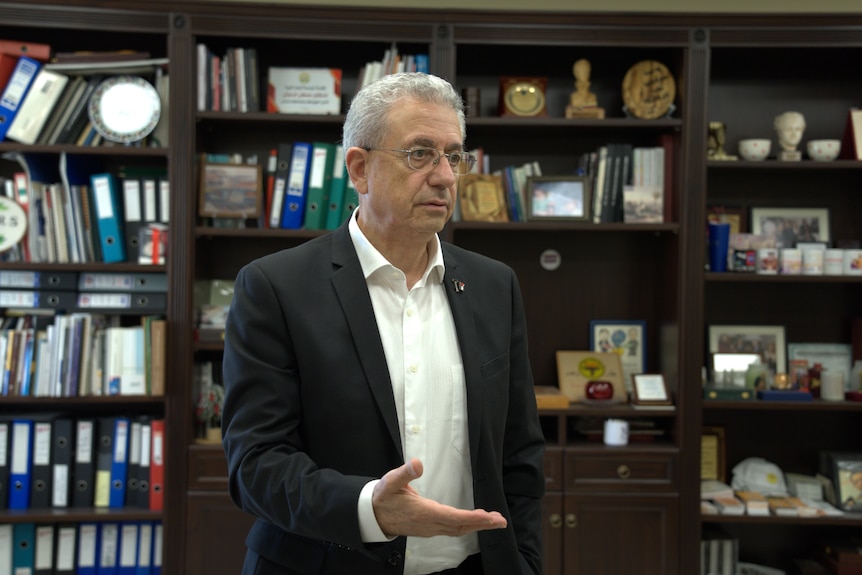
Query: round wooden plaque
(648,90)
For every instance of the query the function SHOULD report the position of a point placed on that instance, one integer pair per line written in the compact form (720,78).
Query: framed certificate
(650,389)
(577,369)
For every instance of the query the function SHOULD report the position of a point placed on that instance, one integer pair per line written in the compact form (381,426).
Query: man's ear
(356,163)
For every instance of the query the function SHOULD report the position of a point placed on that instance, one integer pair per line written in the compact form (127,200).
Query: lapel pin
(459,286)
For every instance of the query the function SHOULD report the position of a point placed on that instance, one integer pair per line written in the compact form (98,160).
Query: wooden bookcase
(643,498)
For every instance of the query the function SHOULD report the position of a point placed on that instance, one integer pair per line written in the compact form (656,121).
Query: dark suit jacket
(309,415)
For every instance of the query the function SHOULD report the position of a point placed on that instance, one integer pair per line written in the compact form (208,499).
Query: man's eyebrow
(429,143)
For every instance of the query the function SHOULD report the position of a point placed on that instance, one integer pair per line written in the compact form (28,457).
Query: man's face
(399,198)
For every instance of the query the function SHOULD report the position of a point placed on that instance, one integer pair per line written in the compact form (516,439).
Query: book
(550,397)
(728,505)
(755,503)
(304,90)
(37,106)
(61,112)
(782,506)
(15,91)
(77,118)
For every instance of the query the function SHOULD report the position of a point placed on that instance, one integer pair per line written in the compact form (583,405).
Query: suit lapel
(352,291)
(462,302)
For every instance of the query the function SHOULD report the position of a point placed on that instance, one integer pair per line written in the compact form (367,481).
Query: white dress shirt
(427,375)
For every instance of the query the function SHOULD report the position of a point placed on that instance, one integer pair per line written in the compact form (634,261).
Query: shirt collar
(372,260)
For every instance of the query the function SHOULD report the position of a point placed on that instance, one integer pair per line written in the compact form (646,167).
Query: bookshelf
(643,497)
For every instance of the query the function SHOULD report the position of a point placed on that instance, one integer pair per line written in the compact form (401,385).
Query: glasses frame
(466,158)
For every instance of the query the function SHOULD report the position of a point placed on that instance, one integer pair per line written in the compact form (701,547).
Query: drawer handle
(571,520)
(556,521)
(624,472)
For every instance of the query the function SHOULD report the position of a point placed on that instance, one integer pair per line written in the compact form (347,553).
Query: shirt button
(409,313)
(413,369)
(415,429)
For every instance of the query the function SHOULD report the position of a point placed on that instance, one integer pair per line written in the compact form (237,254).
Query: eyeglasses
(425,159)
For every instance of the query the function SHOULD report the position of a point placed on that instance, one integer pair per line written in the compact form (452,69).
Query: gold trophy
(582,102)
(715,142)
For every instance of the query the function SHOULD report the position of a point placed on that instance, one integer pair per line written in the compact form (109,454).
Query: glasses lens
(422,158)
(461,162)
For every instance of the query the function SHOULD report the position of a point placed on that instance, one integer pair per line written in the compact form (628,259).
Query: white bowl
(824,150)
(755,149)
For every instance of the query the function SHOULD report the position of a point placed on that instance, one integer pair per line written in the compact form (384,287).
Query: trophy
(715,142)
(582,102)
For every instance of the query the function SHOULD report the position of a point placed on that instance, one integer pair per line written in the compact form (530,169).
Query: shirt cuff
(369,530)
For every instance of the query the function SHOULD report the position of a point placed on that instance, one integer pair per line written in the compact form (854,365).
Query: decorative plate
(125,109)
(13,223)
(649,90)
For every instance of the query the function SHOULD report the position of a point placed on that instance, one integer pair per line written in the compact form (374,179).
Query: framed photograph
(790,226)
(766,340)
(733,366)
(558,198)
(713,450)
(835,357)
(576,370)
(624,338)
(847,476)
(230,191)
(733,215)
(650,389)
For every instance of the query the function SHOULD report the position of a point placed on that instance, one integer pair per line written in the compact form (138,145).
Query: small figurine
(790,127)
(583,103)
(715,142)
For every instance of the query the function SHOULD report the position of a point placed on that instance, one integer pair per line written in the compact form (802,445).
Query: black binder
(41,470)
(62,445)
(84,472)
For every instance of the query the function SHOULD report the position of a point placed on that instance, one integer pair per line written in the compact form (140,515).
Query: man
(380,414)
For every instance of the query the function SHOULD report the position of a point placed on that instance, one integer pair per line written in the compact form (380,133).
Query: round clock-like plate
(125,109)
(525,99)
(648,90)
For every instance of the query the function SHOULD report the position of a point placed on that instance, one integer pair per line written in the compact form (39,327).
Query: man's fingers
(400,477)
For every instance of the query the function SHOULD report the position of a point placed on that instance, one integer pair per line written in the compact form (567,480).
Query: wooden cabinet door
(620,533)
(216,531)
(552,534)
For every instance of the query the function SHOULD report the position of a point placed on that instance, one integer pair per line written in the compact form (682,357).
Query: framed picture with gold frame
(230,190)
(482,198)
(713,453)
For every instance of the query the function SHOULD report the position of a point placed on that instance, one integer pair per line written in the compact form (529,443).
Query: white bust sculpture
(790,126)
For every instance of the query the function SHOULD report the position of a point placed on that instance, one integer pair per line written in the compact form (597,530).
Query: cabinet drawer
(207,468)
(621,471)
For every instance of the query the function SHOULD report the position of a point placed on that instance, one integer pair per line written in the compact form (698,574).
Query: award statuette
(583,103)
(523,96)
(648,90)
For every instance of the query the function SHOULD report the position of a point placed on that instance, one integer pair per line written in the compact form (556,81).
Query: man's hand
(400,510)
